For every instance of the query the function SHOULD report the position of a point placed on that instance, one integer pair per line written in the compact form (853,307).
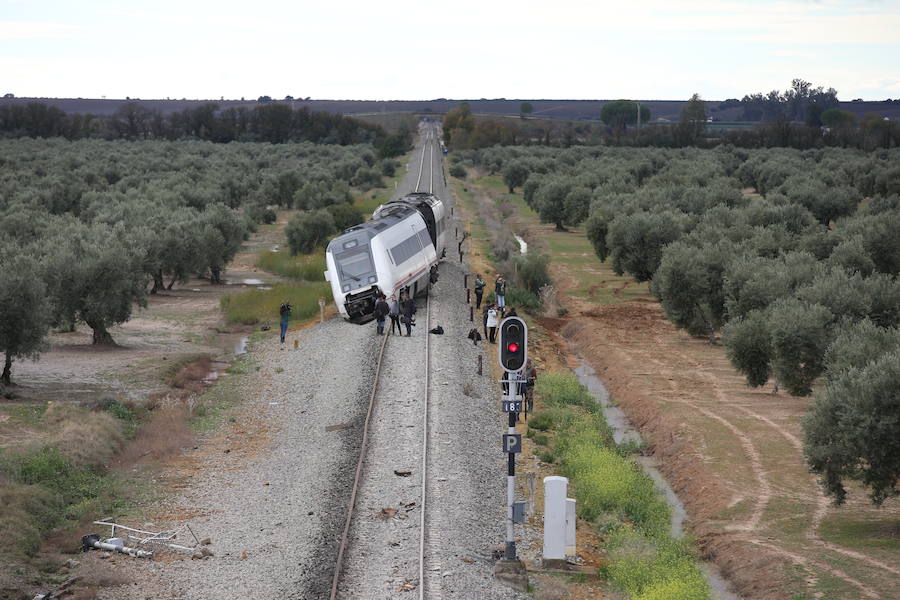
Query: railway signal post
(513,353)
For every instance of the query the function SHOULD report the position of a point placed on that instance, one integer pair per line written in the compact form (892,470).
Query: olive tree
(93,274)
(308,230)
(801,332)
(853,429)
(24,309)
(514,175)
(636,241)
(689,285)
(220,231)
(596,228)
(748,344)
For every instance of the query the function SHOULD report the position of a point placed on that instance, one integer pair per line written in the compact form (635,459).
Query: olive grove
(90,228)
(781,253)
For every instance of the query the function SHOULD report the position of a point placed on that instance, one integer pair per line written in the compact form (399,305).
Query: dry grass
(192,375)
(166,434)
(88,439)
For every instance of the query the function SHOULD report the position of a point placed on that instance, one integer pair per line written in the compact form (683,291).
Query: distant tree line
(88,228)
(800,102)
(793,257)
(267,122)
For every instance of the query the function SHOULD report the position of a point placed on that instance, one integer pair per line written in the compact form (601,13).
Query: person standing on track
(479,290)
(394,314)
(381,311)
(492,324)
(407,310)
(285,313)
(500,291)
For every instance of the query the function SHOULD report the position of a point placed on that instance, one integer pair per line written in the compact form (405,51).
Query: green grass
(615,495)
(261,306)
(215,405)
(42,489)
(563,387)
(28,415)
(304,267)
(851,533)
(648,569)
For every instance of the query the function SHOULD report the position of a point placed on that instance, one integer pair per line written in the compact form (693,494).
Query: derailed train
(397,251)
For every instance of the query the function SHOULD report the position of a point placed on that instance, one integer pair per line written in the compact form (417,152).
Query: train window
(350,244)
(406,249)
(355,264)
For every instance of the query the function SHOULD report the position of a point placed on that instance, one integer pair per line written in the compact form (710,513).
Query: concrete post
(555,488)
(570,527)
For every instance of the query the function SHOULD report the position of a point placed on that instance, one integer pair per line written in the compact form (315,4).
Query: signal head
(513,343)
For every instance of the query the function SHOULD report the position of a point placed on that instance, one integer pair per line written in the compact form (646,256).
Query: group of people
(493,312)
(400,312)
(499,290)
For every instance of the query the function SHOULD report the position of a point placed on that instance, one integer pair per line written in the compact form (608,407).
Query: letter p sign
(512,443)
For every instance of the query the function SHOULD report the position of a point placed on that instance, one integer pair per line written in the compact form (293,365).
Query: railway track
(380,399)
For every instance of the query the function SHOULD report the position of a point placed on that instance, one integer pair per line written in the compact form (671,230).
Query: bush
(457,170)
(308,230)
(261,306)
(522,299)
(531,271)
(345,216)
(367,178)
(50,469)
(541,421)
(389,167)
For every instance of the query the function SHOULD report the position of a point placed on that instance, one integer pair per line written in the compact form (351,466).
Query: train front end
(351,259)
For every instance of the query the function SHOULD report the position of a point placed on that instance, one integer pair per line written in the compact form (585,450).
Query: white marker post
(555,488)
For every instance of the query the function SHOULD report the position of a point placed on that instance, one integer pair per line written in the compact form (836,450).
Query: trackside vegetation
(56,482)
(779,253)
(261,306)
(615,496)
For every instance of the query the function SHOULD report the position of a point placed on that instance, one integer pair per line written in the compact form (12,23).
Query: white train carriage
(397,251)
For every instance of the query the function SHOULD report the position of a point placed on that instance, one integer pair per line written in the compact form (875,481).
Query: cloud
(36,30)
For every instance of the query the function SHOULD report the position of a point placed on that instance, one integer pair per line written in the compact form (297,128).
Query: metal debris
(135,538)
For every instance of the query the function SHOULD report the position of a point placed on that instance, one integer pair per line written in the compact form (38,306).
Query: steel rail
(356,479)
(422,162)
(425,449)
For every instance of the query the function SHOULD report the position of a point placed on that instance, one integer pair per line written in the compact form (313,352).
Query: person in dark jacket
(285,313)
(479,290)
(500,292)
(394,314)
(407,310)
(381,311)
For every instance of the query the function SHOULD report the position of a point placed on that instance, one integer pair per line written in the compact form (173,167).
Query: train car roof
(396,214)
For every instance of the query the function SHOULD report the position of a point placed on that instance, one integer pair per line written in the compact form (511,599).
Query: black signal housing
(513,344)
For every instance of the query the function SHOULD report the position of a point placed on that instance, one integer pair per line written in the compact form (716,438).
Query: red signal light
(513,347)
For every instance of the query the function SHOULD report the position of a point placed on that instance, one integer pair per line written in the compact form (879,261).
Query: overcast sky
(644,49)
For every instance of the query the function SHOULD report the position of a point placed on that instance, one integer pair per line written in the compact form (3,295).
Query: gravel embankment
(272,518)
